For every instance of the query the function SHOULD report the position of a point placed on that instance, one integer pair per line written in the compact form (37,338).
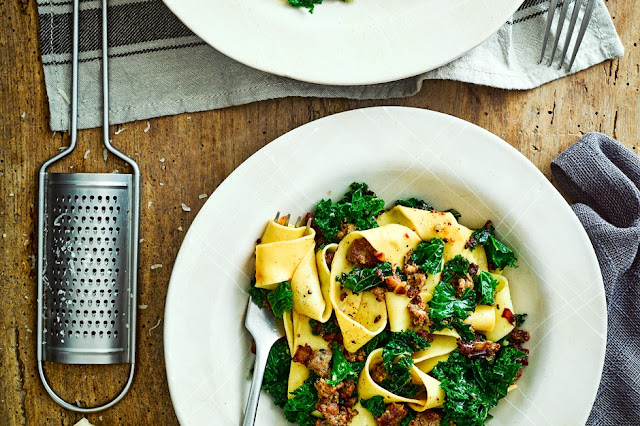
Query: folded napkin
(602,177)
(159,67)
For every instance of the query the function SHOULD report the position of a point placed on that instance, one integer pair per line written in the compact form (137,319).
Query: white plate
(400,152)
(359,42)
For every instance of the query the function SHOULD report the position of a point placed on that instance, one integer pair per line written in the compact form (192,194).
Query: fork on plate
(586,17)
(266,330)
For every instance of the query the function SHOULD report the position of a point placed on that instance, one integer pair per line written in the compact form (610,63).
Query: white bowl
(399,152)
(358,42)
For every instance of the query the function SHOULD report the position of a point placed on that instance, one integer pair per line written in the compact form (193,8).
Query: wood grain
(199,151)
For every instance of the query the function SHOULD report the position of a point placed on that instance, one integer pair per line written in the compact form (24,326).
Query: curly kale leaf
(258,295)
(473,387)
(277,372)
(303,402)
(358,207)
(428,255)
(455,268)
(341,369)
(448,311)
(499,256)
(520,318)
(375,405)
(485,287)
(307,4)
(397,361)
(415,203)
(362,279)
(281,299)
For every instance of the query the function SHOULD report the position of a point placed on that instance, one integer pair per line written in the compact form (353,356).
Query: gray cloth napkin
(602,177)
(158,67)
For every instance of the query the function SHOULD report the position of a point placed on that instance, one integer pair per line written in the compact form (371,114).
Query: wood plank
(199,151)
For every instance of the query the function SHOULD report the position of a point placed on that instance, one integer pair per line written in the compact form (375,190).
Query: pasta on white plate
(392,317)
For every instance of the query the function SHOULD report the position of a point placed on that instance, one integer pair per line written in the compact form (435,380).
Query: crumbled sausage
(471,242)
(328,257)
(328,403)
(303,354)
(478,349)
(427,418)
(378,373)
(359,356)
(472,269)
(393,415)
(417,311)
(344,229)
(361,252)
(319,362)
(379,292)
(394,282)
(518,335)
(462,284)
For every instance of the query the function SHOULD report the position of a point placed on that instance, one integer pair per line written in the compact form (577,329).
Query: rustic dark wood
(200,150)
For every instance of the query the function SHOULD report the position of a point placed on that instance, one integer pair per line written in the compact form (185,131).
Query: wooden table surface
(201,150)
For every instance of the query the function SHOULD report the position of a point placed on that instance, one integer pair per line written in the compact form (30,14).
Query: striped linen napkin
(159,67)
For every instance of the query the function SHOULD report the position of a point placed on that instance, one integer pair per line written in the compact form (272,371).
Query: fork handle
(262,353)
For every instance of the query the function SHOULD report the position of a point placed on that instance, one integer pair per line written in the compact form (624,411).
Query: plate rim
(486,32)
(289,137)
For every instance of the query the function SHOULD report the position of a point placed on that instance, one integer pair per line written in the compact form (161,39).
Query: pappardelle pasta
(392,317)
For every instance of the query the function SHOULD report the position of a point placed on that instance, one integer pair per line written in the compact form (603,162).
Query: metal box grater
(87,270)
(88,227)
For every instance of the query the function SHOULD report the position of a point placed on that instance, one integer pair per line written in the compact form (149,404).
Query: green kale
(363,279)
(407,419)
(455,213)
(463,329)
(281,299)
(428,255)
(448,311)
(276,373)
(258,295)
(415,203)
(455,268)
(485,287)
(320,329)
(397,361)
(308,4)
(481,236)
(341,369)
(399,378)
(303,401)
(377,341)
(499,256)
(359,207)
(375,405)
(403,344)
(473,387)
(520,318)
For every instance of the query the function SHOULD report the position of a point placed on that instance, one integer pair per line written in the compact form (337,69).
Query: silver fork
(577,5)
(265,330)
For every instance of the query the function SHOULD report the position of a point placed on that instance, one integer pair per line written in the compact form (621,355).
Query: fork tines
(586,17)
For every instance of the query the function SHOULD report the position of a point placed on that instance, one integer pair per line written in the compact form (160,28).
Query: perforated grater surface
(87,255)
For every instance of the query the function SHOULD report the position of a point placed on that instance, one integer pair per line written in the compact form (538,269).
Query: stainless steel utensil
(586,17)
(265,330)
(87,254)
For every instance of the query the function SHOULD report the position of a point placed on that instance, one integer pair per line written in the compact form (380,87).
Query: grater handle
(72,407)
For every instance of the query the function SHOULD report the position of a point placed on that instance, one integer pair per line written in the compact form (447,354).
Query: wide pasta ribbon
(361,316)
(286,253)
(433,224)
(432,396)
(300,334)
